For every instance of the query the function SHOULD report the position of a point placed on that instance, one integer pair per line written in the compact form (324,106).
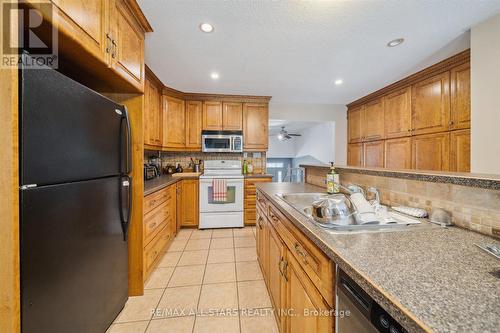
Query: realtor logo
(28,28)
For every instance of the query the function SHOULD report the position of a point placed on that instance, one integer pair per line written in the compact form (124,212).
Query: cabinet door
(127,53)
(431,152)
(374,154)
(174,130)
(355,154)
(304,300)
(212,116)
(263,243)
(193,124)
(276,282)
(255,126)
(189,203)
(460,97)
(232,116)
(86,22)
(372,122)
(398,153)
(354,124)
(460,151)
(152,115)
(397,108)
(431,105)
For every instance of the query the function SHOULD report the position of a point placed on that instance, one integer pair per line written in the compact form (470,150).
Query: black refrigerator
(75,202)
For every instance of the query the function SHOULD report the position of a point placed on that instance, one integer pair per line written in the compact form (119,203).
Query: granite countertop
(430,279)
(158,183)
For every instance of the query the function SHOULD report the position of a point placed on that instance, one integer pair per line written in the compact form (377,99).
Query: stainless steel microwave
(222,141)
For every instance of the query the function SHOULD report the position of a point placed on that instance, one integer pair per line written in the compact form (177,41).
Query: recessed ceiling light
(206,27)
(214,75)
(338,82)
(395,42)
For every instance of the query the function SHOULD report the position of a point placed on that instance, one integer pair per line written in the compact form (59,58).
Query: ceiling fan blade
(294,134)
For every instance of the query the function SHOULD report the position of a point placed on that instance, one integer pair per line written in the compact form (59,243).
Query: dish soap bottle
(332,181)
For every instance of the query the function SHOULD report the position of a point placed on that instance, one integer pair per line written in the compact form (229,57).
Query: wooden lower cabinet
(431,152)
(460,151)
(158,226)
(398,153)
(299,305)
(250,198)
(188,212)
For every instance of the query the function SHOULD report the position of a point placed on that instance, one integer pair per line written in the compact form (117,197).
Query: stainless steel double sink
(392,221)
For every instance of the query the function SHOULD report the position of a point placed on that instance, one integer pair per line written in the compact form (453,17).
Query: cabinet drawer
(155,248)
(155,220)
(261,203)
(155,199)
(315,263)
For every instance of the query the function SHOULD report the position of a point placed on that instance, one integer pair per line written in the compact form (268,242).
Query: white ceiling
(294,50)
(296,127)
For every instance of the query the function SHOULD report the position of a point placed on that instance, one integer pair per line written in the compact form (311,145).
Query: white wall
(317,112)
(317,142)
(281,149)
(485,96)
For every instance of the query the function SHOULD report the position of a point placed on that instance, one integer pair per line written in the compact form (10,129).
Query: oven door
(216,143)
(234,197)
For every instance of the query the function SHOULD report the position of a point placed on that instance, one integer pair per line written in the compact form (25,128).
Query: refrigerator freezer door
(74,261)
(68,132)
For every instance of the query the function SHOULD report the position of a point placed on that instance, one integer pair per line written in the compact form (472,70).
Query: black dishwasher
(362,313)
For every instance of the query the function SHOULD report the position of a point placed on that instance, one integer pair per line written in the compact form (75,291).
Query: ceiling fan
(283,135)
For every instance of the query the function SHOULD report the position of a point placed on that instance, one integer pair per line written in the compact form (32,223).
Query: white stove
(216,213)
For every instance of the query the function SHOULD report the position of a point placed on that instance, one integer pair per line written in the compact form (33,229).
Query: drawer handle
(260,200)
(282,266)
(151,226)
(301,252)
(259,220)
(275,219)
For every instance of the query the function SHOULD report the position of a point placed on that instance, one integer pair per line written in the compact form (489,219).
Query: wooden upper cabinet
(372,122)
(86,22)
(193,124)
(152,115)
(460,151)
(398,153)
(255,126)
(232,116)
(460,97)
(397,108)
(354,123)
(431,152)
(174,122)
(212,116)
(431,105)
(355,154)
(127,44)
(373,154)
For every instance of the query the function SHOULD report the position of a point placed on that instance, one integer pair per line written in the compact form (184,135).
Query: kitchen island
(429,279)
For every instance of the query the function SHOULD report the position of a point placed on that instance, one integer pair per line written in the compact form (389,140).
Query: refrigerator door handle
(125,183)
(125,145)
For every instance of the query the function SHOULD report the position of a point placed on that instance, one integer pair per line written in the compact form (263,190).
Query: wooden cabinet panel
(372,125)
(398,153)
(276,282)
(431,152)
(189,203)
(86,20)
(262,238)
(355,154)
(154,221)
(397,108)
(250,198)
(373,154)
(255,126)
(354,123)
(431,105)
(193,124)
(302,297)
(153,251)
(127,38)
(174,130)
(460,151)
(460,97)
(152,115)
(232,116)
(212,116)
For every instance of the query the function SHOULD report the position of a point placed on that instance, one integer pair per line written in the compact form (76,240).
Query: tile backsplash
(173,158)
(472,208)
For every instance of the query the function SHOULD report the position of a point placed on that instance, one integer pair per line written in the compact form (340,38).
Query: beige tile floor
(208,281)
